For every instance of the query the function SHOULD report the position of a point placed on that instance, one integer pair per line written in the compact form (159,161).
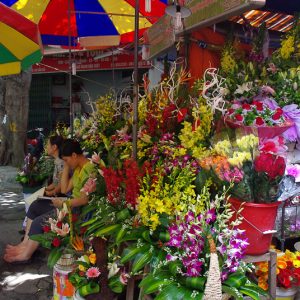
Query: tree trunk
(14,106)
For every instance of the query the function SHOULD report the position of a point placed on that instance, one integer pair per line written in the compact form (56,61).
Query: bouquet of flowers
(85,277)
(288,270)
(35,172)
(254,169)
(257,113)
(59,235)
(182,267)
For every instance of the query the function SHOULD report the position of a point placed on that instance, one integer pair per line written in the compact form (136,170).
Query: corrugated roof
(274,20)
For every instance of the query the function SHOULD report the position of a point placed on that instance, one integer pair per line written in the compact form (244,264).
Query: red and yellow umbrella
(91,22)
(20,45)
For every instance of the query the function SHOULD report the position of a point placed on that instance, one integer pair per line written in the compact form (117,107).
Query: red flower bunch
(132,180)
(113,179)
(123,182)
(271,164)
(255,114)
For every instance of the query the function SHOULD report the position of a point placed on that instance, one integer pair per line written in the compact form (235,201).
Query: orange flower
(78,243)
(281,264)
(263,285)
(92,258)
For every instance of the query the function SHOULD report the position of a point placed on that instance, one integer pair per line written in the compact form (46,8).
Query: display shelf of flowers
(158,213)
(150,204)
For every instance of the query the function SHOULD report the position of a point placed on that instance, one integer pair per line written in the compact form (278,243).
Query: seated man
(74,159)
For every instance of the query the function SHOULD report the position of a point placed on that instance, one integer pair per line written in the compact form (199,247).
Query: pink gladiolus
(92,272)
(90,186)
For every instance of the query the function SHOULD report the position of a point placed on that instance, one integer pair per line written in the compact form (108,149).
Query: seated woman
(74,159)
(39,207)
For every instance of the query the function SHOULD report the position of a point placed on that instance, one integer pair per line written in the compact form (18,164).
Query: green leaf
(232,291)
(155,285)
(189,294)
(235,280)
(146,236)
(132,253)
(170,292)
(173,267)
(197,283)
(141,260)
(253,291)
(121,233)
(54,256)
(108,230)
(146,280)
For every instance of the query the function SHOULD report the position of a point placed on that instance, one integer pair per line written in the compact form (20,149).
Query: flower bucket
(62,288)
(258,223)
(285,294)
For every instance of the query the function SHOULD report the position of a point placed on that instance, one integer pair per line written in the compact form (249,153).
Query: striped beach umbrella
(89,23)
(20,45)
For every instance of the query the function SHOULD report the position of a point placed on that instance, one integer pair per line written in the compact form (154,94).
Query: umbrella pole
(70,67)
(135,80)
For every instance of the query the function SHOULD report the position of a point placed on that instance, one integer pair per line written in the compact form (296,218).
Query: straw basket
(213,287)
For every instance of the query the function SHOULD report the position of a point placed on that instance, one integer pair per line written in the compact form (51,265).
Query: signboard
(159,37)
(85,62)
(204,13)
(208,12)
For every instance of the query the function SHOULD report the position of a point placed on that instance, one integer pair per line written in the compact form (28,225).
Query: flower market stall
(175,220)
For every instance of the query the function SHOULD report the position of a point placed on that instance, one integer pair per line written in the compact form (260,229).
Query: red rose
(181,114)
(239,118)
(246,106)
(279,110)
(263,162)
(259,121)
(276,116)
(59,224)
(56,242)
(278,167)
(46,228)
(230,111)
(259,106)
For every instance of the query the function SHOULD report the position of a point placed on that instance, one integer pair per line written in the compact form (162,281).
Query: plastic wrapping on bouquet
(263,132)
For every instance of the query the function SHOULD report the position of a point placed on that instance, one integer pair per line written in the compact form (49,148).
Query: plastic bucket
(285,294)
(62,287)
(258,222)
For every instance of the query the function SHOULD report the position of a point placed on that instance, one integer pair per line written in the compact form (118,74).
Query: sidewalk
(19,282)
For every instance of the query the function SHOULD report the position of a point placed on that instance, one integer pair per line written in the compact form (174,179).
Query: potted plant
(288,274)
(254,172)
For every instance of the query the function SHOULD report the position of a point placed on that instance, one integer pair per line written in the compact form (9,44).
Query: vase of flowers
(253,172)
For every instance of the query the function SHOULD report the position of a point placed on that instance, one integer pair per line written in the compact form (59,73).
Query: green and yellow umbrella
(20,42)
